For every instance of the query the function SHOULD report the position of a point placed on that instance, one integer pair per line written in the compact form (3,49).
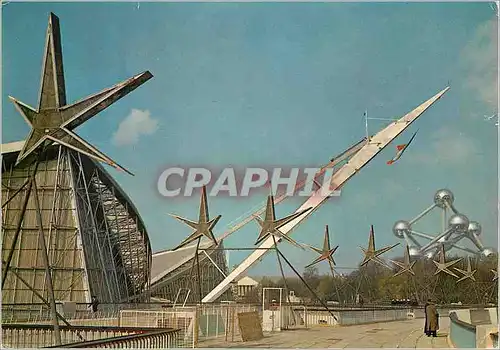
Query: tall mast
(339,178)
(333,162)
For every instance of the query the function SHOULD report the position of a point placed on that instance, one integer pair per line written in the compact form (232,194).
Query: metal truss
(213,269)
(119,253)
(96,242)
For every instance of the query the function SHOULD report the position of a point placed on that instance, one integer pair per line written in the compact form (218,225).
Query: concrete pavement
(397,334)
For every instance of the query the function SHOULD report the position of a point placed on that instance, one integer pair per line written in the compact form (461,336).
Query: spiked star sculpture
(203,227)
(371,254)
(495,274)
(442,265)
(469,273)
(326,253)
(406,266)
(54,120)
(270,225)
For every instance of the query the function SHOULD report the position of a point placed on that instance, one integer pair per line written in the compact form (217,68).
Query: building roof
(166,261)
(247,281)
(12,146)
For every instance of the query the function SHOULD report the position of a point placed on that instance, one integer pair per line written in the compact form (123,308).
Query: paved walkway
(399,334)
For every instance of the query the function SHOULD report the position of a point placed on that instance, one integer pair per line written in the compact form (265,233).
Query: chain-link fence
(183,318)
(197,323)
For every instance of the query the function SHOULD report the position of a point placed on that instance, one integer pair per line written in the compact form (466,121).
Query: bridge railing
(156,339)
(41,335)
(474,328)
(462,334)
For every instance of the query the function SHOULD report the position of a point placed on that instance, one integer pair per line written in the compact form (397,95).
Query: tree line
(376,284)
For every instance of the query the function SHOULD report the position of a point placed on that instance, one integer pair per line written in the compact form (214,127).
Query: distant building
(246,286)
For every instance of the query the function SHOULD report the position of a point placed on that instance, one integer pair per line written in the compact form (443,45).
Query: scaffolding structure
(173,277)
(96,241)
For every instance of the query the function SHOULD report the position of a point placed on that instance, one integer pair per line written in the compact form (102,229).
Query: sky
(278,84)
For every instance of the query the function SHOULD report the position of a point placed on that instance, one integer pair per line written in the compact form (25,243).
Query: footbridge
(218,326)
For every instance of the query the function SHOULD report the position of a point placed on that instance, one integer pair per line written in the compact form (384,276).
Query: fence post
(305,315)
(226,328)
(217,314)
(196,326)
(233,320)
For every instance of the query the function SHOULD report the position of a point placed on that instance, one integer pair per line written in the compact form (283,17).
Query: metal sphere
(459,222)
(414,251)
(486,252)
(442,197)
(401,228)
(474,228)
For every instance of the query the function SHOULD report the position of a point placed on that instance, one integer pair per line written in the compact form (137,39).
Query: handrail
(158,303)
(119,339)
(454,318)
(79,328)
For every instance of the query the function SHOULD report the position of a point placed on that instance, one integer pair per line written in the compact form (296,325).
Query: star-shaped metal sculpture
(442,265)
(54,120)
(406,266)
(270,225)
(204,226)
(371,254)
(469,273)
(495,274)
(326,253)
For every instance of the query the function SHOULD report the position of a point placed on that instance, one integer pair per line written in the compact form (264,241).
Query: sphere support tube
(409,238)
(475,241)
(422,214)
(452,207)
(453,244)
(437,238)
(420,234)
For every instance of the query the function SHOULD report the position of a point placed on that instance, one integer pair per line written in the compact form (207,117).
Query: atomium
(456,228)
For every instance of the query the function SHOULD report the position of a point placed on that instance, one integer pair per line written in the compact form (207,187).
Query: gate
(272,315)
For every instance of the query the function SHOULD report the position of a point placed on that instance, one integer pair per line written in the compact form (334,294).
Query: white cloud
(136,124)
(448,147)
(480,62)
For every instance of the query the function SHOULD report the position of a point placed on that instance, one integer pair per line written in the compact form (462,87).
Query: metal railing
(158,338)
(39,313)
(462,334)
(41,335)
(196,323)
(370,316)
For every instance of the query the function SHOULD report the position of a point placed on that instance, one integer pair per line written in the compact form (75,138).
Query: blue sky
(276,83)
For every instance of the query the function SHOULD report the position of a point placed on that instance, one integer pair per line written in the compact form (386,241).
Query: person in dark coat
(425,313)
(94,304)
(431,319)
